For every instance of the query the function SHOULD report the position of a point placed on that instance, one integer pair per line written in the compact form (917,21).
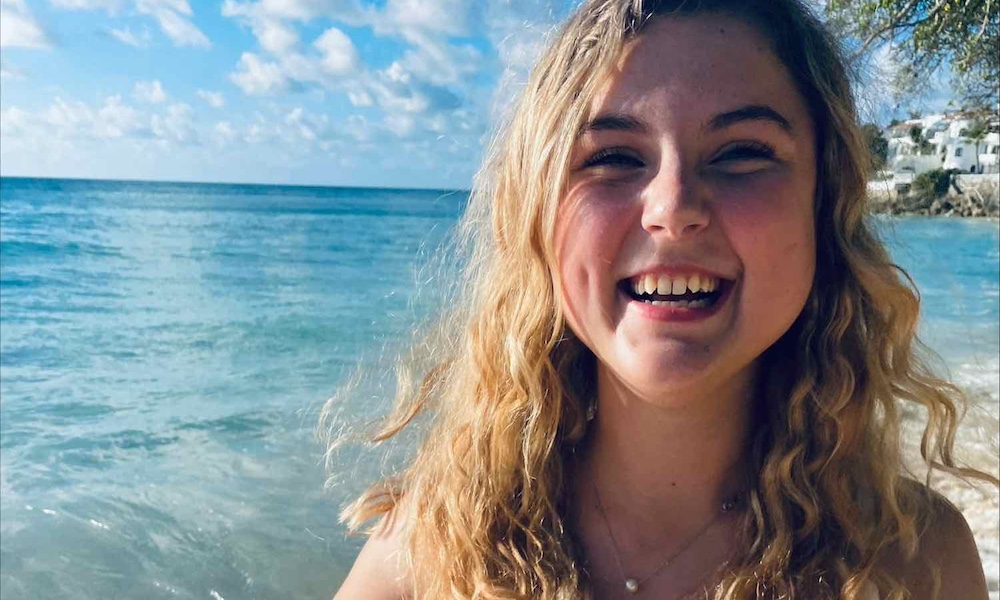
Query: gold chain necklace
(633,584)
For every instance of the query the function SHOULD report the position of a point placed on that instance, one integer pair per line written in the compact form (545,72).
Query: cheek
(588,236)
(770,226)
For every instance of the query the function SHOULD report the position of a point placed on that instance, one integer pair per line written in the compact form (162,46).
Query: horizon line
(188,182)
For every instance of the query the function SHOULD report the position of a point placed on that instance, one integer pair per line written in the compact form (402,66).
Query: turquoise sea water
(164,349)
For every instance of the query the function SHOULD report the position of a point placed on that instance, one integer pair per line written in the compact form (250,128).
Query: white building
(989,153)
(944,145)
(907,157)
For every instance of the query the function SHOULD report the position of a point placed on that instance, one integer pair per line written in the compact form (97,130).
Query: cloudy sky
(397,93)
(342,92)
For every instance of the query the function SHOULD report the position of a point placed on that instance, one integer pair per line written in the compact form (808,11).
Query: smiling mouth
(675,292)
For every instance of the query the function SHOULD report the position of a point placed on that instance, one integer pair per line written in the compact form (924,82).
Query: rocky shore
(969,196)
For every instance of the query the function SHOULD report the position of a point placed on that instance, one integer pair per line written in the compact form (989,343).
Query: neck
(673,461)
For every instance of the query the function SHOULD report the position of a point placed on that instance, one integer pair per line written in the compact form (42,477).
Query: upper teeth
(665,285)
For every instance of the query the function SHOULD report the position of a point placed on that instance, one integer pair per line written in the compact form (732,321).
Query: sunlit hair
(506,384)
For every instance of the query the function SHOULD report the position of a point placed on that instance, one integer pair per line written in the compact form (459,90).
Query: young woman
(679,357)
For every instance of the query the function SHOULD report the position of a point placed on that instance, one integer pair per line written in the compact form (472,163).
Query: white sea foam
(981,376)
(977,445)
(163,586)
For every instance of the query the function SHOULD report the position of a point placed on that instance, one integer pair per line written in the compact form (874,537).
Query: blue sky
(342,92)
(398,93)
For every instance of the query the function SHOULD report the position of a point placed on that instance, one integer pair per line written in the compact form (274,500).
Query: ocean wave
(243,425)
(23,248)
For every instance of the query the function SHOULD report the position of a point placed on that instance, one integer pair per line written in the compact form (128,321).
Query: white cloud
(9,72)
(397,73)
(175,126)
(338,53)
(426,25)
(213,99)
(348,11)
(433,76)
(76,120)
(334,58)
(233,9)
(358,128)
(63,121)
(177,27)
(179,6)
(295,131)
(276,37)
(396,90)
(111,6)
(359,97)
(130,38)
(308,133)
(115,120)
(272,33)
(415,17)
(13,121)
(296,121)
(401,125)
(256,77)
(261,132)
(66,117)
(458,129)
(223,132)
(149,91)
(439,62)
(397,17)
(299,68)
(18,27)
(173,16)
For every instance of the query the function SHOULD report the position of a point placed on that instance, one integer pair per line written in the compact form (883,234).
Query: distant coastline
(979,198)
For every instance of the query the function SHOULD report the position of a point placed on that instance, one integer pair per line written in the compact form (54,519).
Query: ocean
(165,349)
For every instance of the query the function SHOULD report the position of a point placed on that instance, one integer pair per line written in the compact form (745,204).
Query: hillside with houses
(957,141)
(940,164)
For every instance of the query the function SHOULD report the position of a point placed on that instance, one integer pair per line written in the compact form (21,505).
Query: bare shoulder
(948,547)
(380,572)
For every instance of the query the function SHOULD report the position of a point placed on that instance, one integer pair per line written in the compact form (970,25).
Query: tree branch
(986,20)
(894,23)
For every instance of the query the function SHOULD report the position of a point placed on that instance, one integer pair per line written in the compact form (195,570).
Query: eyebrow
(753,112)
(614,122)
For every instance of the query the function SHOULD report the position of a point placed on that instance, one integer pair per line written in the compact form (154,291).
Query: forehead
(689,68)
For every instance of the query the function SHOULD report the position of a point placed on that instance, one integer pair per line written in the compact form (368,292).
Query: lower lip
(679,315)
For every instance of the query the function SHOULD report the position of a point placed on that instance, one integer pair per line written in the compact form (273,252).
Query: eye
(615,158)
(744,157)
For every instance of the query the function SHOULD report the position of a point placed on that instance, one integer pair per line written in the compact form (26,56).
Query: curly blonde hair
(506,384)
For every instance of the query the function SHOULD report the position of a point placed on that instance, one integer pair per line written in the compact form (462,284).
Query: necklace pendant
(632,585)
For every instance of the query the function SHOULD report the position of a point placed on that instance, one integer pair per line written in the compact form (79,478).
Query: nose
(672,205)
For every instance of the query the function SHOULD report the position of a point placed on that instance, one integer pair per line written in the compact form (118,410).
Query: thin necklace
(633,584)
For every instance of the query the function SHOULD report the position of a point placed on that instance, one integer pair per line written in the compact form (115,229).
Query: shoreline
(970,196)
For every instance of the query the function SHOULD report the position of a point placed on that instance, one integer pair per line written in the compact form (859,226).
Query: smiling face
(685,240)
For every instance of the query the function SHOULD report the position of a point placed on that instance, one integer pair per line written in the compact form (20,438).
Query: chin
(658,383)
